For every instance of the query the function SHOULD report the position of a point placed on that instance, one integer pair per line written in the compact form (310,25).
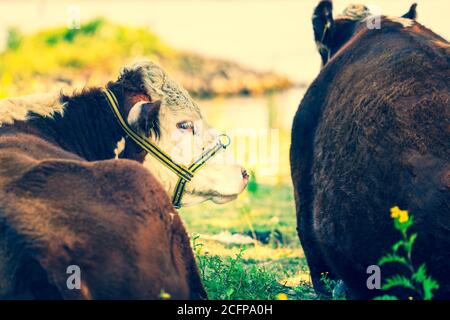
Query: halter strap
(185,174)
(222,143)
(144,143)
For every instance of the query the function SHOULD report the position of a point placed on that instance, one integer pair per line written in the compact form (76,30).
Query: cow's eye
(186,125)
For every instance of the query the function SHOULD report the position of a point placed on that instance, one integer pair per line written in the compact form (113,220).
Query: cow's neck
(86,126)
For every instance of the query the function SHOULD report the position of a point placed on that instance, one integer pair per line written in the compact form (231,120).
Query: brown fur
(372,132)
(63,203)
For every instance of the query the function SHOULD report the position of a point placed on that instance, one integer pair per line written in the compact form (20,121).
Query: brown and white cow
(65,198)
(372,132)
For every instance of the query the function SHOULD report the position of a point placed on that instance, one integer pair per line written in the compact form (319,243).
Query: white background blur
(265,34)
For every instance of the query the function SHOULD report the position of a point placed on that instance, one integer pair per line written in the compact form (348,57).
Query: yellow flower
(395,212)
(401,215)
(282,296)
(164,295)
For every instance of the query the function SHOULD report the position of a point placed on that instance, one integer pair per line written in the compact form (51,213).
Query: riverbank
(93,54)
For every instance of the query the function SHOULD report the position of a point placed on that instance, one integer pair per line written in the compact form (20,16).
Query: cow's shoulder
(64,211)
(118,181)
(16,143)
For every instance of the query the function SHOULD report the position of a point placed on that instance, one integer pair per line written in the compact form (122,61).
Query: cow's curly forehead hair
(355,12)
(160,86)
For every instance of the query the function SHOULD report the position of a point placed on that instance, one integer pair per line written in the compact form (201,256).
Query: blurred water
(260,130)
(253,112)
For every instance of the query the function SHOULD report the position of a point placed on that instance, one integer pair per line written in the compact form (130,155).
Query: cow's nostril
(245,174)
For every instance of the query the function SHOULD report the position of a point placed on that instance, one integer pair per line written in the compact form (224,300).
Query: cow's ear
(412,13)
(323,23)
(144,118)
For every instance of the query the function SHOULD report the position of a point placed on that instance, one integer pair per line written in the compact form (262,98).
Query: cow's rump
(373,132)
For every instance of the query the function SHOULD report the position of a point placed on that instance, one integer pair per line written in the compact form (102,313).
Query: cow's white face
(184,135)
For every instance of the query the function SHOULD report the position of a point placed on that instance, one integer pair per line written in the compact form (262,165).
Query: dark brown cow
(373,131)
(63,203)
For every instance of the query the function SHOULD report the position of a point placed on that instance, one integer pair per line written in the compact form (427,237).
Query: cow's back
(373,132)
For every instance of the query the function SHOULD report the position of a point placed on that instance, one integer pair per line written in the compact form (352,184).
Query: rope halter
(185,174)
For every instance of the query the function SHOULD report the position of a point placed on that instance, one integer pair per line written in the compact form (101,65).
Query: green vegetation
(416,280)
(231,278)
(14,39)
(269,208)
(272,268)
(90,55)
(93,55)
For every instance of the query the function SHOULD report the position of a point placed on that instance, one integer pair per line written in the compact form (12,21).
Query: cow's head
(332,34)
(165,113)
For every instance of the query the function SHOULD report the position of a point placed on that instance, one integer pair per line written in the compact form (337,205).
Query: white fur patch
(135,112)
(406,23)
(119,148)
(17,108)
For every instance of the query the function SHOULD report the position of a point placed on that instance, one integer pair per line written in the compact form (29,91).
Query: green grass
(253,270)
(267,208)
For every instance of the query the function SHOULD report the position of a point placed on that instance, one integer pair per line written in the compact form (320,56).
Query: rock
(206,77)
